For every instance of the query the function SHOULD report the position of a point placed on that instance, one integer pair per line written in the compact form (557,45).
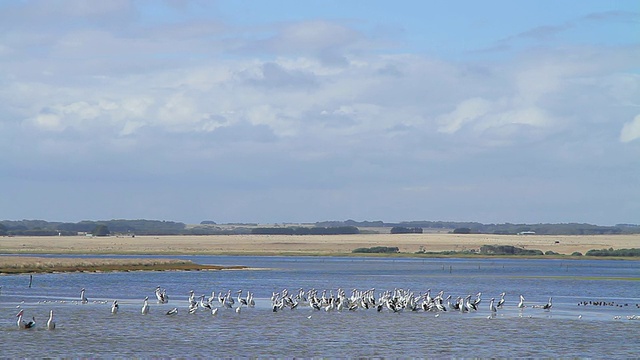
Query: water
(567,330)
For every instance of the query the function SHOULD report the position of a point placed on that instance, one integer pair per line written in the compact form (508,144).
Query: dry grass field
(312,244)
(262,245)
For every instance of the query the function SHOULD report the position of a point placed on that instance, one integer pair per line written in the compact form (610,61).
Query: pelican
(145,306)
(456,304)
(548,305)
(161,295)
(492,307)
(229,298)
(501,301)
(238,309)
(468,304)
(521,303)
(192,299)
(203,304)
(214,312)
(193,308)
(478,300)
(250,300)
(115,307)
(240,299)
(172,311)
(51,325)
(23,324)
(83,299)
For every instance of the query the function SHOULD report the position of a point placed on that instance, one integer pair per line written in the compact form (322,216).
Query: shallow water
(567,330)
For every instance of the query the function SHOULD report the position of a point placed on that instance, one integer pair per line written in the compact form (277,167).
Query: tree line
(157,227)
(302,230)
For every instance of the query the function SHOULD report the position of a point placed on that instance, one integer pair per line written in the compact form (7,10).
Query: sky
(303,111)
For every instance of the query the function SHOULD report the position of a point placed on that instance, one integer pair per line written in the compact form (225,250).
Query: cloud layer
(110,113)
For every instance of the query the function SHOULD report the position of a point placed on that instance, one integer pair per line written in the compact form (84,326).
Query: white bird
(172,311)
(212,298)
(203,304)
(240,299)
(214,311)
(51,325)
(23,324)
(115,307)
(501,301)
(229,298)
(238,309)
(161,295)
(193,308)
(83,299)
(492,307)
(145,306)
(521,303)
(548,305)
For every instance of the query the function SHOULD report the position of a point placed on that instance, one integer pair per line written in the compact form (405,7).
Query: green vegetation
(507,250)
(406,230)
(377,250)
(506,228)
(635,252)
(209,227)
(101,230)
(23,265)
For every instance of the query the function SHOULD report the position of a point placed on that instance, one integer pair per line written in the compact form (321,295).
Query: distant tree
(406,230)
(576,253)
(463,230)
(101,230)
(3,230)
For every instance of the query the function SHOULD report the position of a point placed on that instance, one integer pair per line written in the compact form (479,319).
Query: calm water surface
(567,330)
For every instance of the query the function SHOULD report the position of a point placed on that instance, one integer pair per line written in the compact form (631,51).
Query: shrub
(377,250)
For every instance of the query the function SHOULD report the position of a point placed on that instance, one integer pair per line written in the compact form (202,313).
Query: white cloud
(630,130)
(467,111)
(312,98)
(47,122)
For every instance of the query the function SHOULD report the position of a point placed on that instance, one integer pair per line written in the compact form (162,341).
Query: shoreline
(409,245)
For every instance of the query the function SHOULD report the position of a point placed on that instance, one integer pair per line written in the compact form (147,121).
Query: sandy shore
(305,245)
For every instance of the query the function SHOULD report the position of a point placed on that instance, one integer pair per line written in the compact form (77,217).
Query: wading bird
(145,306)
(51,325)
(23,324)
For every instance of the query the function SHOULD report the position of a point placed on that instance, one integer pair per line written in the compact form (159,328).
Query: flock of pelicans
(397,300)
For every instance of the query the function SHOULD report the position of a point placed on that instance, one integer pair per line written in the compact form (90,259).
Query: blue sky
(288,111)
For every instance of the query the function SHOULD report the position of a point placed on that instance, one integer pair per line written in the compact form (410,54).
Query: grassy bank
(23,264)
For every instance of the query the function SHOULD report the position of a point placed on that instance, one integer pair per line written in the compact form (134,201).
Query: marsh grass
(24,264)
